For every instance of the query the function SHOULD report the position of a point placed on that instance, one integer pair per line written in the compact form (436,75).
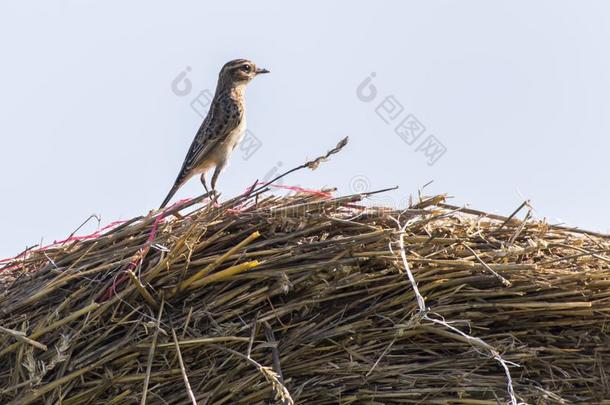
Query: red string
(77,238)
(240,208)
(319,193)
(64,241)
(139,257)
(142,252)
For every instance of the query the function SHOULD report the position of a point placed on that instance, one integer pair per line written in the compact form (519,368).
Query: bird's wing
(221,120)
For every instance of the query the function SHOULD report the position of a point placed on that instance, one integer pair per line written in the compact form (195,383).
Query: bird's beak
(261,71)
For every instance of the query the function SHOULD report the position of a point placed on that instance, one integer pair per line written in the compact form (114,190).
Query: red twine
(141,254)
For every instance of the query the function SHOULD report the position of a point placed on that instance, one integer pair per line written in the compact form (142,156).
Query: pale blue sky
(517,92)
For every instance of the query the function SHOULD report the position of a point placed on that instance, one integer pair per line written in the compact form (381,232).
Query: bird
(223,127)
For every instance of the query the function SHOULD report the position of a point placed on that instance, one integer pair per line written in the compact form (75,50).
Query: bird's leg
(217,171)
(205,185)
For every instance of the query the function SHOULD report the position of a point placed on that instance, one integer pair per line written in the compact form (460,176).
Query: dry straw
(308,299)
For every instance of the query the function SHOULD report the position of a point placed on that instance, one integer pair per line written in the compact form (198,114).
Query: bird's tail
(170,195)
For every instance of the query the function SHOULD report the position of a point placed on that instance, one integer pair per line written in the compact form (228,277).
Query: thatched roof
(313,300)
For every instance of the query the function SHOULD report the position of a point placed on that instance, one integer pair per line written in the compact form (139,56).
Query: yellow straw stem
(202,273)
(224,274)
(142,290)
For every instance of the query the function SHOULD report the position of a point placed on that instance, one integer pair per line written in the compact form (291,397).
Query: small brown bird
(223,127)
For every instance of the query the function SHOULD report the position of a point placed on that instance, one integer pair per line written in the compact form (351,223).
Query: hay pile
(308,299)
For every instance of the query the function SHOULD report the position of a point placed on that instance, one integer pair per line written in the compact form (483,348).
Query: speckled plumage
(222,128)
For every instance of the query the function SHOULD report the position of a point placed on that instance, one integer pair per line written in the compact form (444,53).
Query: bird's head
(239,71)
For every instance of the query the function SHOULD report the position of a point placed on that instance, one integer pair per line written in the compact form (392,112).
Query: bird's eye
(246,68)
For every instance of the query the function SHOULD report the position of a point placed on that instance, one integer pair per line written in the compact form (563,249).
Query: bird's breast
(220,156)
(237,134)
